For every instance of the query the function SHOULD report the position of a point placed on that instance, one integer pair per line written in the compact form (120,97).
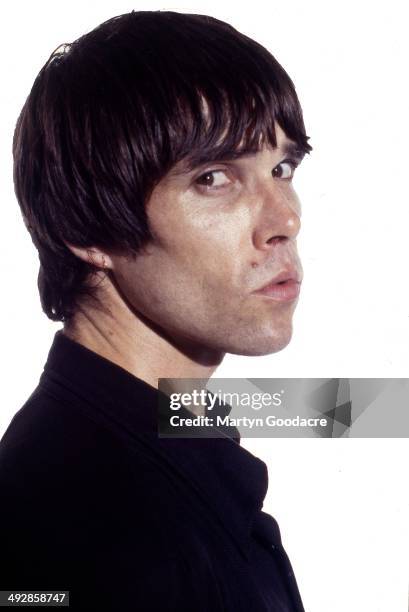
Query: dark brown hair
(109,115)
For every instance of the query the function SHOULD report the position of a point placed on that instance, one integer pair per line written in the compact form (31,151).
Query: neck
(128,340)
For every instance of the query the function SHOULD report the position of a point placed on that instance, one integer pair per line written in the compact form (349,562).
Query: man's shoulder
(51,431)
(75,496)
(61,471)
(53,447)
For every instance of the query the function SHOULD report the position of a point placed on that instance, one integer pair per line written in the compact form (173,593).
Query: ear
(92,255)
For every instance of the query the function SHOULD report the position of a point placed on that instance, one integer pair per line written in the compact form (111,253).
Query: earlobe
(91,255)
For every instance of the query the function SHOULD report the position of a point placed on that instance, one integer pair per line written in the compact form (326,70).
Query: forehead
(285,146)
(206,114)
(280,135)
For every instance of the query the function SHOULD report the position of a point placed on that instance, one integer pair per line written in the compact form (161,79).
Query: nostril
(276,239)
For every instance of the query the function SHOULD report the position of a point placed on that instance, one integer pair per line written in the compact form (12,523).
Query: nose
(279,218)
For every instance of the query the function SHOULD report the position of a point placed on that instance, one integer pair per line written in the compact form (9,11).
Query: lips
(284,276)
(283,287)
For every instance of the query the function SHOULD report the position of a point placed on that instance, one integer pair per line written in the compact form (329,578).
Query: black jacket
(94,502)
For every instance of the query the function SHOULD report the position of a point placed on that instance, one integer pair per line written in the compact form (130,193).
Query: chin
(259,344)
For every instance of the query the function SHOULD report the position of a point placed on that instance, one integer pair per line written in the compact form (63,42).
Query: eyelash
(291,162)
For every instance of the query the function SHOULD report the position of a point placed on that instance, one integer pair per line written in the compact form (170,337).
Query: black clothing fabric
(93,501)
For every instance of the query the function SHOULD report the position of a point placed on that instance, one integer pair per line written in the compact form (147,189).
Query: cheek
(294,202)
(183,291)
(195,263)
(159,283)
(202,251)
(189,240)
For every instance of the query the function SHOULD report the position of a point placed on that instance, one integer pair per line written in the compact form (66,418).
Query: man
(153,165)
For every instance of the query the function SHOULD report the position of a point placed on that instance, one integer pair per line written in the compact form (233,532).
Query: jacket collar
(230,481)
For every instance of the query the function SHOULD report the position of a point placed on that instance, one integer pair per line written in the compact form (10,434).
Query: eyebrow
(292,149)
(287,148)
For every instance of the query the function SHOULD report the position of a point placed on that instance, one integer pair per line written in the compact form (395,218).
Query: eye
(285,170)
(213,179)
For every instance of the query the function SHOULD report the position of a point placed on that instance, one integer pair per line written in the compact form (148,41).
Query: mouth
(284,287)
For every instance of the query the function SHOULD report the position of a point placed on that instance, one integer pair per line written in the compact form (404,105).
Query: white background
(342,505)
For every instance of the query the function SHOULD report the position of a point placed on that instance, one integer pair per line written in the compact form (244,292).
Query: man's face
(221,233)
